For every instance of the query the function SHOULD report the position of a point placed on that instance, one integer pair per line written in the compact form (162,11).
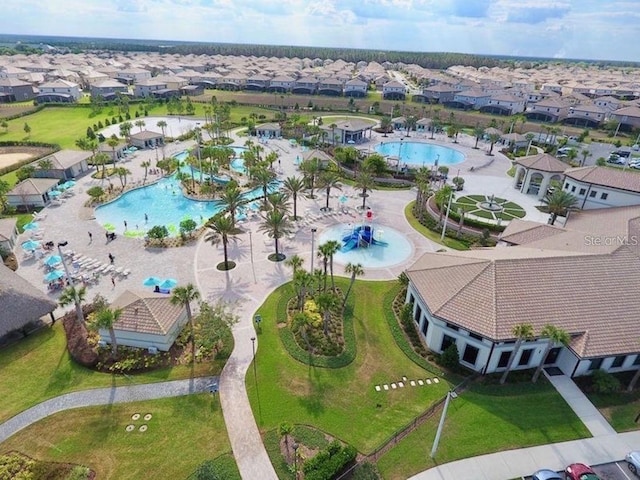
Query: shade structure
(31,226)
(151,281)
(53,260)
(31,245)
(168,283)
(53,275)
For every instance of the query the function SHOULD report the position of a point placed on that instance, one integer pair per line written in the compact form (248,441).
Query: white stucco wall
(615,198)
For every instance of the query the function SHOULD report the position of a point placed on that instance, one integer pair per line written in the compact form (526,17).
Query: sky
(585,29)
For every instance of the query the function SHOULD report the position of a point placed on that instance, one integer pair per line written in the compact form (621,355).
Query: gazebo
(535,173)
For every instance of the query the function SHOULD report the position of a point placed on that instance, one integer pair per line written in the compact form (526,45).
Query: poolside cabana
(146,139)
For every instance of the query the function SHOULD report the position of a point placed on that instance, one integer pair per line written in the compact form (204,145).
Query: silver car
(546,474)
(633,461)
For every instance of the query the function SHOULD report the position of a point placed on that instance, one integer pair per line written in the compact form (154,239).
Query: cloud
(470,8)
(532,12)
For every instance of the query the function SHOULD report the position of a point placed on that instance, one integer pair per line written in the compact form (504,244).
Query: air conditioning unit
(153,350)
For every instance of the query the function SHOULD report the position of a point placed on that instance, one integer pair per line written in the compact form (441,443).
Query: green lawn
(182,433)
(39,367)
(485,419)
(342,402)
(620,409)
(11,178)
(433,236)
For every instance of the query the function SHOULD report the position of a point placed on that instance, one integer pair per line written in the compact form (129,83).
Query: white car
(633,461)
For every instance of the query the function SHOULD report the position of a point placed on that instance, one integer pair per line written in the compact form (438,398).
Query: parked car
(621,153)
(580,471)
(633,462)
(546,474)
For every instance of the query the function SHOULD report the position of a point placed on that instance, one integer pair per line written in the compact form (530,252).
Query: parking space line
(623,472)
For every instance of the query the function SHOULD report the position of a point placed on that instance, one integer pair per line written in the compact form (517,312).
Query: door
(552,356)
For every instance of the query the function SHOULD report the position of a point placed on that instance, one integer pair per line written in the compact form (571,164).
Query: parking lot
(611,471)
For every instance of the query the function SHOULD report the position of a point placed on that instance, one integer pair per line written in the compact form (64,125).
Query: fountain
(491,205)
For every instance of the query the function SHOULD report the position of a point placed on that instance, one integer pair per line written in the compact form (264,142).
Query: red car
(579,471)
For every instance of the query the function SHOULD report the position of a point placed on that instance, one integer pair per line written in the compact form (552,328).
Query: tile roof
(146,312)
(628,180)
(522,232)
(542,162)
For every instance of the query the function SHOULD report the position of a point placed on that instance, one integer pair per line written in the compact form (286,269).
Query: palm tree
(122,174)
(326,251)
(294,186)
(76,296)
(559,203)
(285,429)
(478,132)
(310,169)
(113,143)
(278,201)
(326,301)
(585,153)
(185,295)
(332,247)
(220,229)
(493,138)
(140,124)
(302,282)
(276,225)
(86,143)
(355,270)
(263,177)
(107,318)
(295,262)
(364,181)
(333,127)
(385,125)
(146,166)
(327,181)
(125,130)
(101,159)
(442,199)
(556,336)
(522,332)
(232,199)
(162,125)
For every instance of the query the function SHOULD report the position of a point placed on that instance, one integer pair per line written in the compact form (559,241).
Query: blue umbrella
(31,245)
(54,193)
(151,281)
(70,183)
(31,226)
(53,275)
(53,260)
(168,283)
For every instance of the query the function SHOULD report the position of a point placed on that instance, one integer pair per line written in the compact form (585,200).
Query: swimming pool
(418,154)
(164,204)
(374,256)
(237,163)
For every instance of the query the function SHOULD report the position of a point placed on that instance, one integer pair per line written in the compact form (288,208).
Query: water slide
(361,236)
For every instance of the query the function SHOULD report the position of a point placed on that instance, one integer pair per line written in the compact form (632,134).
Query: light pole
(446,218)
(64,264)
(253,349)
(313,238)
(253,268)
(295,459)
(451,394)
(198,147)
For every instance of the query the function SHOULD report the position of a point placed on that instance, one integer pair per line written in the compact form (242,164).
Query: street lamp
(446,218)
(64,264)
(295,459)
(253,268)
(253,349)
(313,237)
(198,147)
(450,394)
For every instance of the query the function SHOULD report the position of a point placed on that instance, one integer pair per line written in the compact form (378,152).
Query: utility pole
(450,395)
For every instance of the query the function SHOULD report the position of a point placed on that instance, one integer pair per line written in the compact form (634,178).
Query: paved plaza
(254,277)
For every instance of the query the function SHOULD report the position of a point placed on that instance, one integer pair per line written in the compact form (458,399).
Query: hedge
(24,113)
(15,166)
(291,345)
(329,462)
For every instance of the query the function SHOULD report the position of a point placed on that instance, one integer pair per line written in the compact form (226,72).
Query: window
(418,314)
(470,354)
(604,196)
(411,299)
(595,364)
(452,326)
(525,357)
(504,359)
(618,361)
(637,360)
(592,194)
(566,185)
(476,336)
(425,327)
(582,191)
(446,342)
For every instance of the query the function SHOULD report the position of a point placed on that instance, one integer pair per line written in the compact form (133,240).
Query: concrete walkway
(103,396)
(580,404)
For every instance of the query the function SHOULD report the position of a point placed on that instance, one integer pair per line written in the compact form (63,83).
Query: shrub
(604,382)
(329,462)
(365,471)
(450,358)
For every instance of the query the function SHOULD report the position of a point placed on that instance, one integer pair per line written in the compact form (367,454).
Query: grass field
(341,402)
(39,367)
(433,236)
(182,433)
(485,419)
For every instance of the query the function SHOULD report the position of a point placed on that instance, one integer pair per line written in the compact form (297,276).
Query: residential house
(108,88)
(628,117)
(504,105)
(607,103)
(148,320)
(470,99)
(331,87)
(355,88)
(132,75)
(146,88)
(258,83)
(394,90)
(439,93)
(548,110)
(585,115)
(232,81)
(281,84)
(15,90)
(305,85)
(58,91)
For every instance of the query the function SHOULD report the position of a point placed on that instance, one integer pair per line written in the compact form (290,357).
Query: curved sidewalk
(103,396)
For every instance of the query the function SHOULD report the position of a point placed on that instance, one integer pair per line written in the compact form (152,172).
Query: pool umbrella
(31,245)
(343,199)
(53,275)
(168,283)
(151,281)
(109,227)
(53,260)
(70,183)
(54,193)
(31,226)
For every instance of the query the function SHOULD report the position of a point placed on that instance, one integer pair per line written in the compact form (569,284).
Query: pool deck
(254,277)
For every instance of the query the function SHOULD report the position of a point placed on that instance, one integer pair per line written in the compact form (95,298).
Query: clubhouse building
(581,278)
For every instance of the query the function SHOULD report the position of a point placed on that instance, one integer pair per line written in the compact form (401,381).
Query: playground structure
(362,236)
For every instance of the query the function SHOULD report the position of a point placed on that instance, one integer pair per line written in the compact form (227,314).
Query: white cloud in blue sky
(598,29)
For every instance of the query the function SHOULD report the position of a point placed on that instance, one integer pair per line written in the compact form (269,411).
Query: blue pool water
(164,204)
(375,256)
(237,163)
(417,154)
